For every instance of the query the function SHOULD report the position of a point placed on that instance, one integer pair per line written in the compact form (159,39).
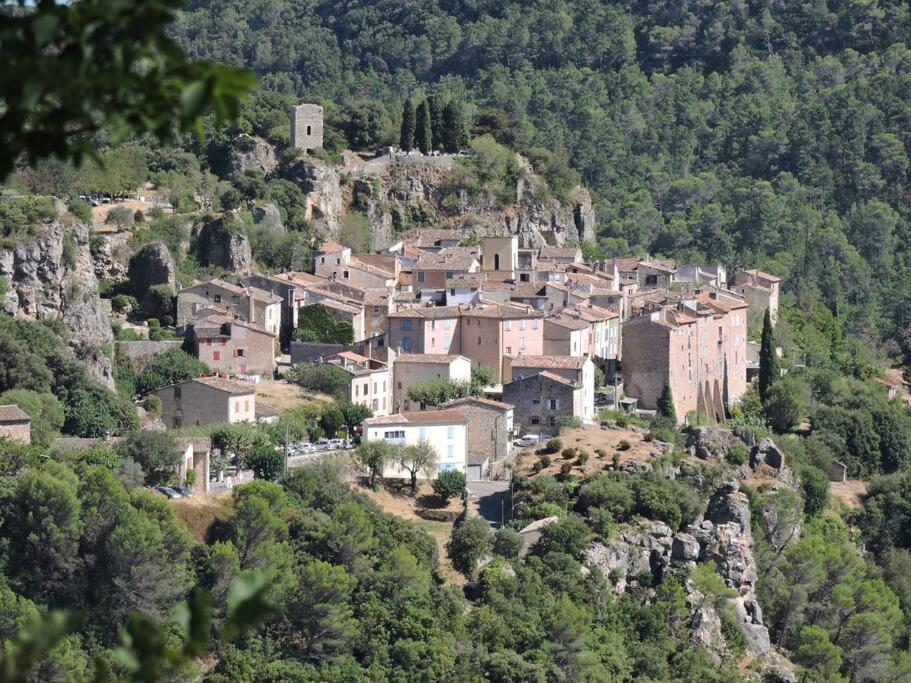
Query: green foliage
(769,371)
(419,458)
(171,367)
(81,68)
(266,461)
(316,323)
(354,414)
(507,543)
(406,135)
(449,484)
(155,452)
(666,405)
(121,216)
(44,409)
(481,377)
(326,379)
(373,456)
(468,544)
(736,455)
(454,132)
(22,216)
(552,446)
(785,403)
(435,391)
(81,210)
(158,301)
(423,131)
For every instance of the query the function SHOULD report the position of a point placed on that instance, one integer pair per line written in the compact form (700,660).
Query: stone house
(445,430)
(500,257)
(580,370)
(492,332)
(287,286)
(337,263)
(490,432)
(464,289)
(541,399)
(254,305)
(565,335)
(206,401)
(15,424)
(432,270)
(761,292)
(411,368)
(560,254)
(233,346)
(370,381)
(697,346)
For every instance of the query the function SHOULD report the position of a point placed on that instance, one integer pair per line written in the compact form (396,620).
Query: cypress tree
(455,132)
(423,132)
(437,107)
(768,360)
(406,137)
(666,404)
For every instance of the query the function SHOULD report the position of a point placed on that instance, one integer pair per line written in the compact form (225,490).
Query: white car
(337,444)
(527,440)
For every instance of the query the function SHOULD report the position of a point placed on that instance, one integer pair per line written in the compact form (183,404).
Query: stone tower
(307,126)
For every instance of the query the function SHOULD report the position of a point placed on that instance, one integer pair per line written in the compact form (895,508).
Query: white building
(370,380)
(445,430)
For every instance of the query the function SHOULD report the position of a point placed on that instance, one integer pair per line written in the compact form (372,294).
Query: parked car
(337,444)
(322,444)
(527,440)
(169,492)
(184,491)
(306,447)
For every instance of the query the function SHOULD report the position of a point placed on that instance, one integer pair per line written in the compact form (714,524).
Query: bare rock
(221,242)
(708,443)
(251,153)
(152,265)
(685,547)
(767,453)
(322,185)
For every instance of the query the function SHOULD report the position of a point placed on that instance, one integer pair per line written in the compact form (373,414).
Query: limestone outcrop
(251,153)
(152,265)
(222,242)
(52,276)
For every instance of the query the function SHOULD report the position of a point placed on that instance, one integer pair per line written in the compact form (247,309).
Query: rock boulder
(222,242)
(150,266)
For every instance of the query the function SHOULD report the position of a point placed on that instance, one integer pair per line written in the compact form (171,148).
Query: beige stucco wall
(406,375)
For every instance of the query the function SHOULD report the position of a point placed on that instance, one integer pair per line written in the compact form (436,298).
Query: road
(491,499)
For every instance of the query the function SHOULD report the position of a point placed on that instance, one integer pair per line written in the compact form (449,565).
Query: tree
(374,456)
(316,323)
(168,368)
(319,610)
(76,69)
(666,404)
(468,544)
(236,439)
(331,421)
(455,132)
(507,543)
(423,133)
(406,137)
(366,124)
(436,105)
(156,453)
(354,414)
(45,411)
(432,392)
(449,484)
(481,378)
(325,378)
(266,461)
(784,404)
(417,458)
(95,411)
(769,372)
(817,655)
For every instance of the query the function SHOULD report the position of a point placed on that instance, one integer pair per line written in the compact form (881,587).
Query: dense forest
(753,133)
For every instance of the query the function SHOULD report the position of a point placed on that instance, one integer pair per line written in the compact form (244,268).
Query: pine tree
(423,135)
(455,132)
(437,107)
(406,138)
(768,359)
(666,404)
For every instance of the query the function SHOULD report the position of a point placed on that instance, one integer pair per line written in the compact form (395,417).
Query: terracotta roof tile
(556,362)
(13,413)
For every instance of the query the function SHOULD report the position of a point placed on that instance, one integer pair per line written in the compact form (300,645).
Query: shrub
(122,302)
(567,422)
(152,405)
(566,468)
(601,522)
(545,461)
(507,543)
(601,453)
(449,484)
(608,493)
(81,210)
(736,454)
(582,458)
(648,437)
(537,466)
(624,445)
(569,453)
(468,544)
(553,446)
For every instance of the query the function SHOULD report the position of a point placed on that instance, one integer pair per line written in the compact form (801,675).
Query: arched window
(308,130)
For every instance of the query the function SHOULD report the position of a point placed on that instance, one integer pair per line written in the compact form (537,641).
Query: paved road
(491,499)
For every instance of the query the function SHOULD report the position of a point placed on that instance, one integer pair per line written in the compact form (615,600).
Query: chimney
(251,317)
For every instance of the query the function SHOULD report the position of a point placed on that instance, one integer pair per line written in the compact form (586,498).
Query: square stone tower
(307,126)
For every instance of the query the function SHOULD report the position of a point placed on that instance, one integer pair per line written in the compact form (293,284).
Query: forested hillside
(764,133)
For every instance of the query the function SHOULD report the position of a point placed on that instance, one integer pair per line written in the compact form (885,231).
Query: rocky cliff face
(399,194)
(52,276)
(219,244)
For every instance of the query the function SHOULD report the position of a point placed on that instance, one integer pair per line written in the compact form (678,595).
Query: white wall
(448,440)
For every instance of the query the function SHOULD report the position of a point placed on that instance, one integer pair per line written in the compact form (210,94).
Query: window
(553,404)
(384,385)
(521,324)
(523,277)
(338,262)
(236,406)
(217,298)
(406,324)
(357,390)
(399,385)
(452,291)
(398,434)
(216,355)
(447,324)
(535,421)
(521,343)
(450,432)
(651,279)
(239,353)
(235,300)
(195,307)
(374,387)
(366,388)
(479,341)
(224,342)
(508,350)
(534,324)
(376,310)
(178,423)
(535,401)
(433,324)
(507,325)
(433,342)
(450,452)
(177,392)
(246,406)
(406,344)
(446,342)
(420,276)
(552,421)
(422,434)
(209,342)
(345,274)
(376,404)
(308,130)
(448,274)
(322,260)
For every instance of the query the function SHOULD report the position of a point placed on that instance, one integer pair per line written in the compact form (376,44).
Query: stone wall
(138,354)
(307,126)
